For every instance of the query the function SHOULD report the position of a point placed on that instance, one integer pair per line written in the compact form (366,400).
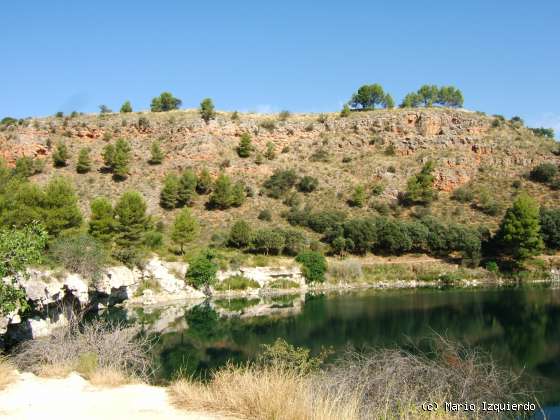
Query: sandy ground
(31,397)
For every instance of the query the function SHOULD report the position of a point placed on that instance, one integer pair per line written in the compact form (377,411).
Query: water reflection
(519,326)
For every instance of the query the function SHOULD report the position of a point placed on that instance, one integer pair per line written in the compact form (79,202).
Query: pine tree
(84,162)
(108,155)
(126,107)
(420,188)
(187,188)
(60,155)
(121,159)
(240,235)
(131,220)
(102,220)
(270,153)
(519,233)
(244,149)
(204,183)
(168,197)
(207,112)
(238,194)
(185,229)
(358,197)
(60,207)
(156,154)
(221,197)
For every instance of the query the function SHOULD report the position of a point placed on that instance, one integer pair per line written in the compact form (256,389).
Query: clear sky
(269,56)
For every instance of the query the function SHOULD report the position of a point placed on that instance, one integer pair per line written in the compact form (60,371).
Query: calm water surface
(519,326)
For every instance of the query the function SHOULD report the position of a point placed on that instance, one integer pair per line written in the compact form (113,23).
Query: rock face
(264,275)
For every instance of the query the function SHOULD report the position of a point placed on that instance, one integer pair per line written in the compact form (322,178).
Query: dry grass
(90,348)
(108,378)
(7,373)
(255,392)
(382,384)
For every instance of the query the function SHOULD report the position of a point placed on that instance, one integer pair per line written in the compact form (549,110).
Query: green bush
(84,161)
(202,270)
(358,197)
(206,110)
(268,241)
(545,172)
(185,229)
(280,182)
(463,195)
(314,266)
(157,154)
(165,102)
(550,227)
(204,182)
(241,235)
(126,107)
(282,283)
(307,184)
(265,215)
(169,195)
(60,155)
(81,254)
(187,188)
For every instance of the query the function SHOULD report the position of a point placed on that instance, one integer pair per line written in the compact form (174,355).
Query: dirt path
(31,397)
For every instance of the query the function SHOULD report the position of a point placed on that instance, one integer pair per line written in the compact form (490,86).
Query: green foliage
(280,182)
(185,229)
(204,182)
(270,152)
(487,204)
(84,161)
(169,194)
(429,95)
(550,227)
(543,132)
(463,194)
(245,148)
(80,253)
(237,283)
(18,250)
(60,207)
(108,155)
(307,184)
(156,154)
(126,107)
(131,225)
(519,232)
(388,102)
(411,100)
(269,241)
(294,242)
(240,235)
(450,96)
(121,159)
(187,188)
(27,166)
(545,172)
(314,266)
(165,102)
(420,187)
(222,195)
(265,215)
(6,121)
(368,96)
(284,115)
(358,197)
(60,155)
(202,270)
(345,112)
(102,222)
(206,110)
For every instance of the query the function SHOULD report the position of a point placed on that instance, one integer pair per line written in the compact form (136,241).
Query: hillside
(380,148)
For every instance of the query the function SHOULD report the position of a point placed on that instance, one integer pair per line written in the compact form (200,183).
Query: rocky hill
(380,149)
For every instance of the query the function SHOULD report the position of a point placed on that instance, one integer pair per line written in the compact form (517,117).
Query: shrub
(284,115)
(268,125)
(294,242)
(237,283)
(545,172)
(84,161)
(420,187)
(345,112)
(27,166)
(240,235)
(245,148)
(165,102)
(60,155)
(206,110)
(265,215)
(157,154)
(270,153)
(202,270)
(143,124)
(126,107)
(81,254)
(358,197)
(153,239)
(320,155)
(280,182)
(235,116)
(392,237)
(225,195)
(487,204)
(131,225)
(102,221)
(361,235)
(346,270)
(308,184)
(463,195)
(314,266)
(204,182)
(543,132)
(282,283)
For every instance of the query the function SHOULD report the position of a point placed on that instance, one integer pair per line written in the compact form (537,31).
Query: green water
(519,326)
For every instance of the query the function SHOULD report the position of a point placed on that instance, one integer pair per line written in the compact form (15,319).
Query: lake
(519,326)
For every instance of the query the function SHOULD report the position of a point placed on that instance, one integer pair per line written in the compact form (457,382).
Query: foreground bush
(383,384)
(88,348)
(314,266)
(237,283)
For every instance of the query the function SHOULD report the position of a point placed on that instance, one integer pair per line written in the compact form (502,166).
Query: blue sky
(268,56)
